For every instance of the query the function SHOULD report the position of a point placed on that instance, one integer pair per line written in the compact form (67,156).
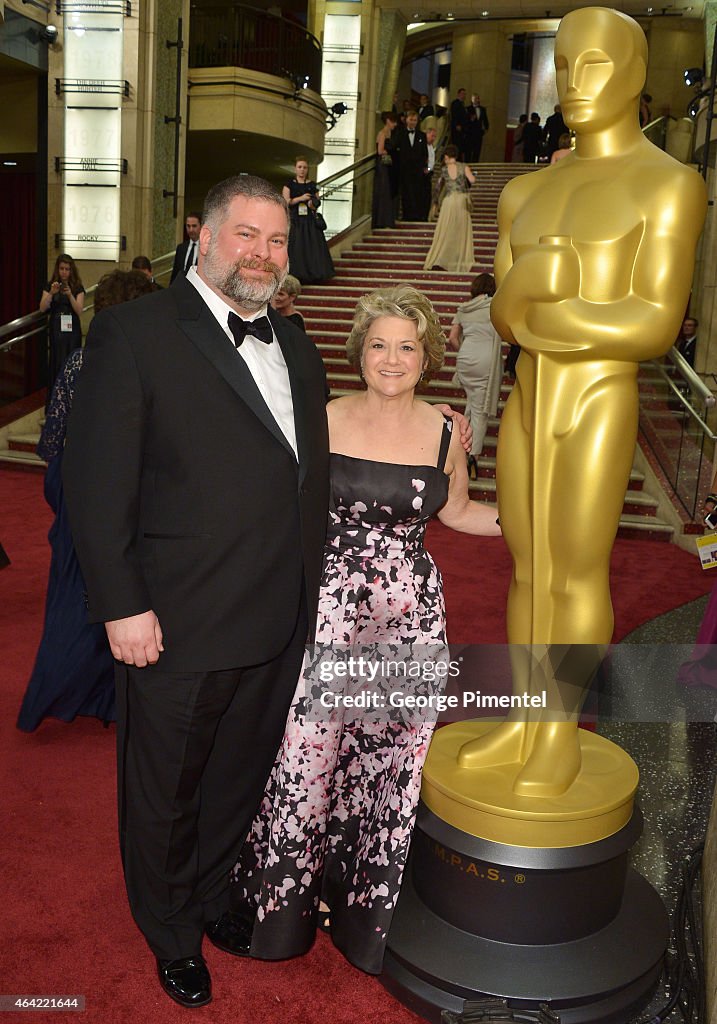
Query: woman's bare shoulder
(340,409)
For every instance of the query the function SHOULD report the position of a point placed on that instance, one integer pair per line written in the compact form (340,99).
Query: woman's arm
(711,499)
(455,336)
(47,297)
(77,301)
(459,512)
(381,143)
(469,174)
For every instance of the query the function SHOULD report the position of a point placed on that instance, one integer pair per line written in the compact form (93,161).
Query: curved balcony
(234,35)
(254,100)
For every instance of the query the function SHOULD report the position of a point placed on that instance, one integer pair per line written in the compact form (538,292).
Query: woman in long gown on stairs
(452,247)
(338,812)
(385,182)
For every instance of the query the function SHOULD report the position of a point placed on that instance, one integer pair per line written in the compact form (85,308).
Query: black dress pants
(194,754)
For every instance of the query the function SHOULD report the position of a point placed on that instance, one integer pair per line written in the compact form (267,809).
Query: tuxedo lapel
(298,396)
(200,326)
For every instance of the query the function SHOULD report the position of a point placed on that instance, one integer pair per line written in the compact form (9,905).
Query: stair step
(21,458)
(23,442)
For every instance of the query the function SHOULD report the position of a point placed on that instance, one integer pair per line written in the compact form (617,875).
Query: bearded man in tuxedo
(196,477)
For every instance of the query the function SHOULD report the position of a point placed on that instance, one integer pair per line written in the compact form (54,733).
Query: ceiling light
(484,14)
(9,163)
(450,15)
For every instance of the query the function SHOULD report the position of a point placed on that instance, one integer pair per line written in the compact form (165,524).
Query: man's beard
(249,293)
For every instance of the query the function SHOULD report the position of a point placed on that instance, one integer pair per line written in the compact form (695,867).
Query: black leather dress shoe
(232,932)
(186,981)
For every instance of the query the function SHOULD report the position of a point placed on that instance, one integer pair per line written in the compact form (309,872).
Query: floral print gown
(336,819)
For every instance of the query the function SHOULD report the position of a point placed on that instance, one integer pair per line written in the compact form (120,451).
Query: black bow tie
(259,328)
(411,131)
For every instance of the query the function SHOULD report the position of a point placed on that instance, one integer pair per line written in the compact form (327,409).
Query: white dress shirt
(266,362)
(192,255)
(431,158)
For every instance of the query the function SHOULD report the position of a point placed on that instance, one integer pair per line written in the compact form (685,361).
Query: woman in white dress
(479,366)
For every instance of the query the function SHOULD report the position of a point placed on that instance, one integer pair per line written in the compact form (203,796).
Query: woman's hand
(76,301)
(465,430)
(459,512)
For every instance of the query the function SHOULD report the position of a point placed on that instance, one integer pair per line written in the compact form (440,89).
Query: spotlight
(694,76)
(48,34)
(298,81)
(334,113)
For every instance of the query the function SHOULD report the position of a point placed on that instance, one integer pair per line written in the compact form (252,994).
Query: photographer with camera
(64,298)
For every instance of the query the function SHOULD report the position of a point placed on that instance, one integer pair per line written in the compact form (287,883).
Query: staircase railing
(347,195)
(674,408)
(24,342)
(23,356)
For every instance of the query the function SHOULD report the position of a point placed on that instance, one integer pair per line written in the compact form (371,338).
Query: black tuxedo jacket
(459,115)
(426,111)
(412,158)
(179,259)
(183,494)
(481,122)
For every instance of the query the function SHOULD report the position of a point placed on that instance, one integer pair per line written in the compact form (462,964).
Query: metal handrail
(20,322)
(686,399)
(361,162)
(693,379)
(689,408)
(38,318)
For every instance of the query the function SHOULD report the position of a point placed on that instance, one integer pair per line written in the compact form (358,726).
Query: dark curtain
(18,262)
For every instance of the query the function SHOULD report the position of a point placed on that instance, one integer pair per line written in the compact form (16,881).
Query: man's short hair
(141,263)
(249,186)
(193,213)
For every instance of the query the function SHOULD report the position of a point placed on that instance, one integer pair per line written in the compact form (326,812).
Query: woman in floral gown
(336,820)
(452,246)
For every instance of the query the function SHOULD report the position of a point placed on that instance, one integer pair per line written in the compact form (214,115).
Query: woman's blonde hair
(404,302)
(292,285)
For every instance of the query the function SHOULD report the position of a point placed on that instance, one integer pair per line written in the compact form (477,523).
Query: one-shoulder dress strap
(445,442)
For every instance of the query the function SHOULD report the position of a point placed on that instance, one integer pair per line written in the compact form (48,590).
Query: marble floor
(672,736)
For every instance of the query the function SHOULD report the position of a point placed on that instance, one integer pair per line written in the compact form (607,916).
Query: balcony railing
(232,35)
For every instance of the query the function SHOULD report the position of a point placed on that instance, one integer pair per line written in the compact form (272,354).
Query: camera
(711,519)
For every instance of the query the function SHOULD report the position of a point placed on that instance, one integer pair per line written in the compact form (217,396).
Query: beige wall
(673,44)
(18,102)
(481,64)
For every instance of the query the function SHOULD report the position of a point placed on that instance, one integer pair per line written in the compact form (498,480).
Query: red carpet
(66,926)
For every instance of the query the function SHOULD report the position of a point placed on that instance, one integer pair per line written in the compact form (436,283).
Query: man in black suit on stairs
(187,254)
(413,161)
(196,478)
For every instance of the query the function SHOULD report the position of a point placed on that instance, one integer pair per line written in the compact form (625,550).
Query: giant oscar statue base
(519,885)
